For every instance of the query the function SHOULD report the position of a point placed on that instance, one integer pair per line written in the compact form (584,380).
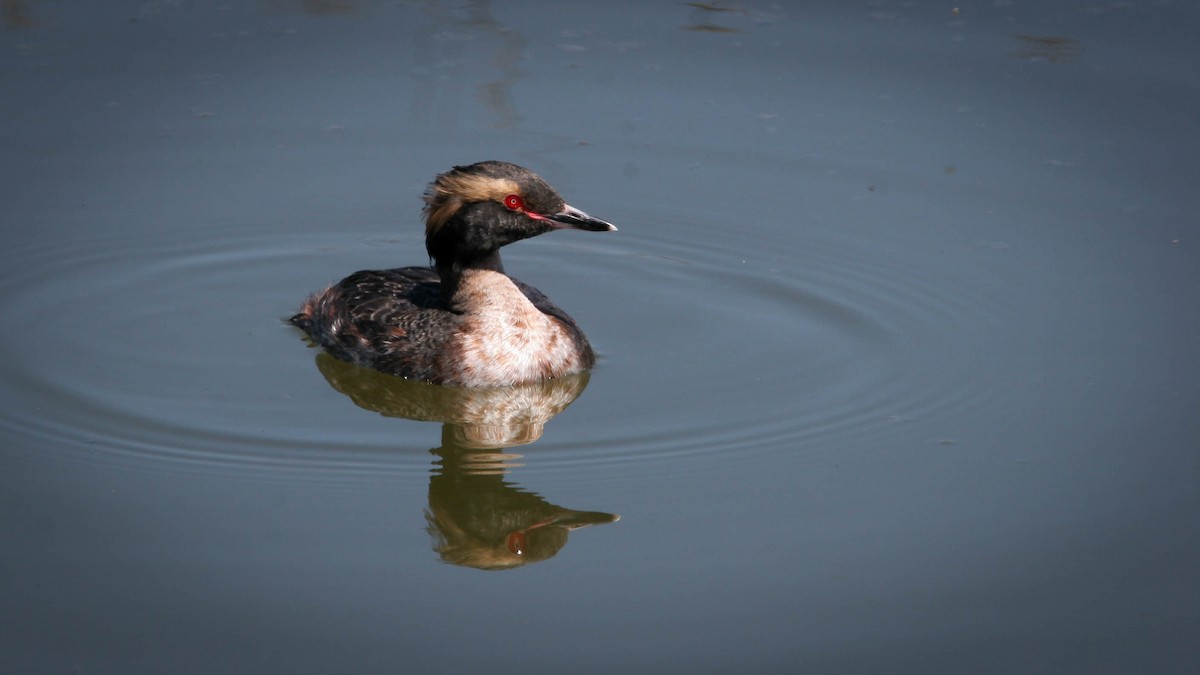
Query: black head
(471,211)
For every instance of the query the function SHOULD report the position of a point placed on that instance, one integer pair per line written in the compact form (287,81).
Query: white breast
(505,339)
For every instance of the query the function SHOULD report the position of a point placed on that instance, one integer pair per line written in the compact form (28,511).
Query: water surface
(897,365)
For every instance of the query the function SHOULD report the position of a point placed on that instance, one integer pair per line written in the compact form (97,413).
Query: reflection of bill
(477,518)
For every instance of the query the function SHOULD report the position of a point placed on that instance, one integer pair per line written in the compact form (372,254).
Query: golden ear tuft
(452,190)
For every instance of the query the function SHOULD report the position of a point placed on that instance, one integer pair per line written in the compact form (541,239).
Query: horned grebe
(466,322)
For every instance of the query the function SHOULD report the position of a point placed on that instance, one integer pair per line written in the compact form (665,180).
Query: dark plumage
(464,322)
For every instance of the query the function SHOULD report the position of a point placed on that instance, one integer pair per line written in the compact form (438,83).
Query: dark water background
(898,366)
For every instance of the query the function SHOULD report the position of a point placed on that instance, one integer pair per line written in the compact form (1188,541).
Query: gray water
(898,366)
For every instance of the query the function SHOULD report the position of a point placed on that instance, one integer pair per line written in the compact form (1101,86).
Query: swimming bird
(463,321)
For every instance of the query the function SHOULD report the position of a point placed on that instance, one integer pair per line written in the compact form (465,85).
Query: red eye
(514,202)
(516,540)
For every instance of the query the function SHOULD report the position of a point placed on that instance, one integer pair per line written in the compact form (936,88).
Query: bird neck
(451,272)
(494,301)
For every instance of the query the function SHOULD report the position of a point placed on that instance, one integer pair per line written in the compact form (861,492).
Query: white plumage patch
(505,339)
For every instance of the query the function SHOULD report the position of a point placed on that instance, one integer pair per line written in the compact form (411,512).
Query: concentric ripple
(812,342)
(173,353)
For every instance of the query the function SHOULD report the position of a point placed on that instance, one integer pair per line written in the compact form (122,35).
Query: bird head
(471,211)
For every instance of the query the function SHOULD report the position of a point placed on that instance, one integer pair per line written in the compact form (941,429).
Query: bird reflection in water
(476,517)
